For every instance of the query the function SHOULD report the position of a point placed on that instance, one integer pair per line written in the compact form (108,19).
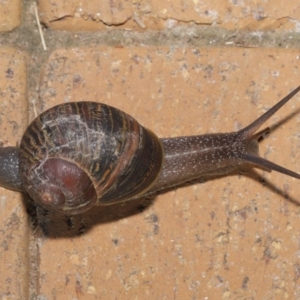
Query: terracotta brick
(10,15)
(228,238)
(14,234)
(158,14)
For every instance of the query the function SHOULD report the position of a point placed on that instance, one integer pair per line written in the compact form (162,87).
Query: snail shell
(77,154)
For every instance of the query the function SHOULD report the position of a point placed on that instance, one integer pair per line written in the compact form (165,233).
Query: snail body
(76,155)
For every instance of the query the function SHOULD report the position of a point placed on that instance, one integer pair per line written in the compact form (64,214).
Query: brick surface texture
(232,237)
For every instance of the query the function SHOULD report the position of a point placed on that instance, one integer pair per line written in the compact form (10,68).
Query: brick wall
(180,68)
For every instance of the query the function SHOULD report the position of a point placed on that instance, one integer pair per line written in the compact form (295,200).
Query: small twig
(137,19)
(39,26)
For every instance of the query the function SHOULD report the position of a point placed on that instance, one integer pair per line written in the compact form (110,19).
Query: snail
(79,154)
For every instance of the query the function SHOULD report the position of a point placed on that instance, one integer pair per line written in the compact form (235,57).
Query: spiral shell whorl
(112,156)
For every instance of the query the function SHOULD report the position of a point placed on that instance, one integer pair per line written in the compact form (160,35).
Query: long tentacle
(253,127)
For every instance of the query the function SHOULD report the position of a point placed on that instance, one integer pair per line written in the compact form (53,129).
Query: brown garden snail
(76,155)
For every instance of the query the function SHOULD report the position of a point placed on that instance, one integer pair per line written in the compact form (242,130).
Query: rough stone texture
(10,14)
(234,237)
(218,240)
(14,237)
(158,14)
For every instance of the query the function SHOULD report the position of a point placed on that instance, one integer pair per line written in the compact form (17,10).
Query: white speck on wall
(297,25)
(275,74)
(3,202)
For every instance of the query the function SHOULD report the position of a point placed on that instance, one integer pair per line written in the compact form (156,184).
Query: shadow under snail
(76,155)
